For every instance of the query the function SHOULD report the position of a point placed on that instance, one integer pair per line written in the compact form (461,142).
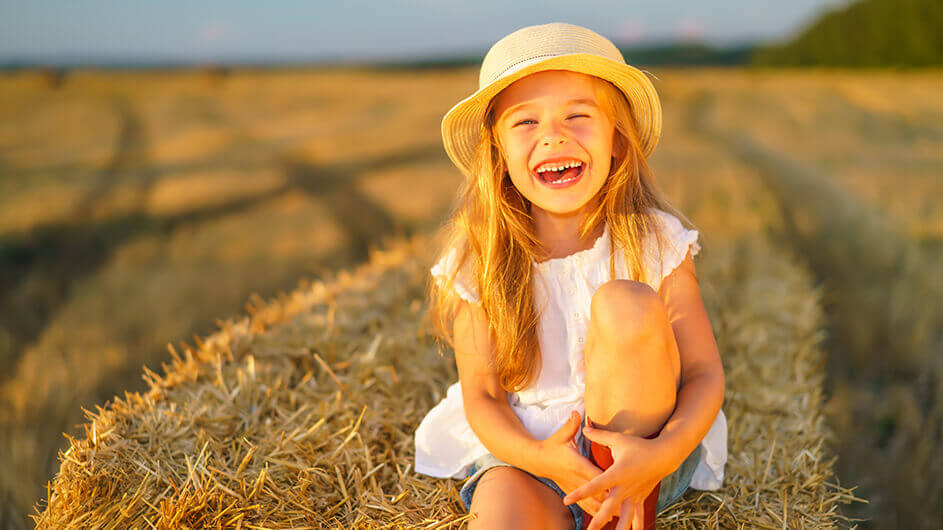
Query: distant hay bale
(51,77)
(302,414)
(215,74)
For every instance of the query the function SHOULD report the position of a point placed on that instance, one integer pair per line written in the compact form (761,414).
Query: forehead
(547,87)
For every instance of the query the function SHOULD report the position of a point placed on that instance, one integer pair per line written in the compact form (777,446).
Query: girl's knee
(627,309)
(629,319)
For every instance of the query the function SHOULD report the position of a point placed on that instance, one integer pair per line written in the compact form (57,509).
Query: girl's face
(549,120)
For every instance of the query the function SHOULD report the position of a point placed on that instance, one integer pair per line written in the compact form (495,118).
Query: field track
(881,292)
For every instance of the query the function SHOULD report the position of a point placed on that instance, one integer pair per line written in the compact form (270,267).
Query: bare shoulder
(680,281)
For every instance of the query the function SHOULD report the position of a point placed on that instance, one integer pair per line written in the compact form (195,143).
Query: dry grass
(302,414)
(104,157)
(886,319)
(849,183)
(138,207)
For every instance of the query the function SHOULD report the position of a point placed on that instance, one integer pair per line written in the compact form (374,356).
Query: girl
(590,386)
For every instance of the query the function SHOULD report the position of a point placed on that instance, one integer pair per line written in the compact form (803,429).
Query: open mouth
(561,178)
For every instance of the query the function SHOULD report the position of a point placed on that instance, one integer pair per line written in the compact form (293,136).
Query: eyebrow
(520,106)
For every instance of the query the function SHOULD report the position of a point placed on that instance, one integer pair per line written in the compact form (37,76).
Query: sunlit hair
(491,226)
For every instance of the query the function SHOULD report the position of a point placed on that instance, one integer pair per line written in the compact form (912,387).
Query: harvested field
(879,267)
(136,208)
(301,415)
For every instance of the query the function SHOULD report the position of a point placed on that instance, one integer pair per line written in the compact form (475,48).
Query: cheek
(520,180)
(517,150)
(607,149)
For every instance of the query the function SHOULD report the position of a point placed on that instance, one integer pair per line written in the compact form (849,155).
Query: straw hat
(554,46)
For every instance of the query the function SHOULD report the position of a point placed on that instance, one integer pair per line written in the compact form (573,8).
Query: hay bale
(51,77)
(302,414)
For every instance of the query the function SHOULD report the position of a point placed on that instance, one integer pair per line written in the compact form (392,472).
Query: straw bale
(301,414)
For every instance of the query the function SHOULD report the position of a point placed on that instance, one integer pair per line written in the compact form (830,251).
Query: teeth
(565,180)
(550,167)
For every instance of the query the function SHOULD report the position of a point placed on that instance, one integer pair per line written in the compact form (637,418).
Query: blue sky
(204,30)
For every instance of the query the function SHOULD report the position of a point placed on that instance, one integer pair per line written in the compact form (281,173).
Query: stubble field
(139,208)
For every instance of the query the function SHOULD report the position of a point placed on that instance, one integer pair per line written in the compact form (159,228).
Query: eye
(578,116)
(523,121)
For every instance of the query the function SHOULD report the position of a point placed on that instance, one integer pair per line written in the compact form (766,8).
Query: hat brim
(461,126)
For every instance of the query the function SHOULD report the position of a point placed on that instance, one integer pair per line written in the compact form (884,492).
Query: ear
(619,145)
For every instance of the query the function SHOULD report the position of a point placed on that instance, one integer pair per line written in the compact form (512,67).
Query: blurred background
(160,163)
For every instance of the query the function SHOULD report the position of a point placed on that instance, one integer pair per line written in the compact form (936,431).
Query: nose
(553,135)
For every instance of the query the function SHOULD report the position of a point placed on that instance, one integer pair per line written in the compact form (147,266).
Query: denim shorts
(672,486)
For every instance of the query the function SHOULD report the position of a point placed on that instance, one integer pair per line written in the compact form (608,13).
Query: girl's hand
(634,472)
(567,467)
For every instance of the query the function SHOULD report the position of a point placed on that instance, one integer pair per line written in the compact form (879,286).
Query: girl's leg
(632,363)
(632,369)
(507,497)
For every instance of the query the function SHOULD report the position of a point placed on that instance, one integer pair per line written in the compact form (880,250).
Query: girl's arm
(702,375)
(498,427)
(486,403)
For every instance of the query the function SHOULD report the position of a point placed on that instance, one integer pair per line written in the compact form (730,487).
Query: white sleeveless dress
(445,444)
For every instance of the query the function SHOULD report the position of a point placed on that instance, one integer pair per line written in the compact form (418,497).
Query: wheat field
(143,208)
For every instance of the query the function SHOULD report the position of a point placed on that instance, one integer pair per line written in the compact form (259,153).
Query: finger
(638,519)
(606,512)
(567,426)
(602,436)
(601,517)
(599,497)
(593,500)
(595,486)
(625,515)
(590,506)
(569,429)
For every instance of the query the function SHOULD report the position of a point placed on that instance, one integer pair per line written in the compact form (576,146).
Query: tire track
(885,329)
(56,257)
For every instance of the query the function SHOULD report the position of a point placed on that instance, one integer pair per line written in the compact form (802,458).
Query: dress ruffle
(463,284)
(679,240)
(564,265)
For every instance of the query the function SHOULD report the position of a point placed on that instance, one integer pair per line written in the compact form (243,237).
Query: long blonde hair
(491,225)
